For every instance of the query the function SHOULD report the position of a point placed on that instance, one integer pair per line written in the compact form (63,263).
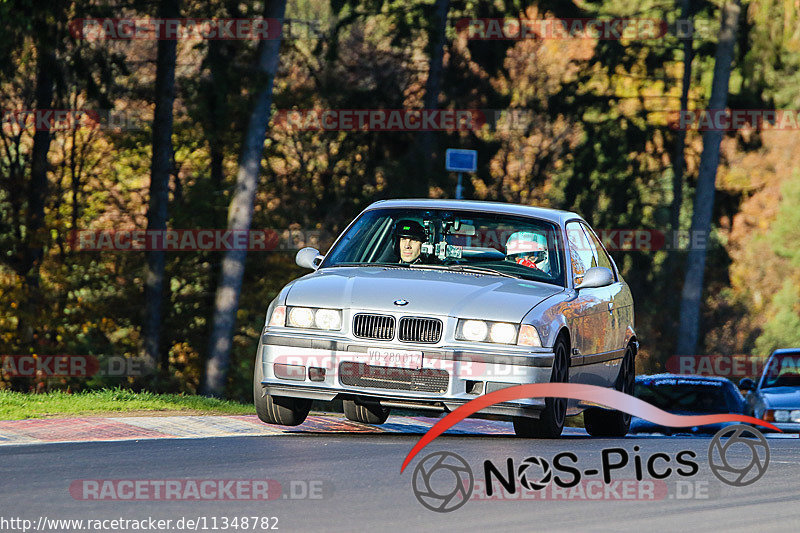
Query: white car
(428,304)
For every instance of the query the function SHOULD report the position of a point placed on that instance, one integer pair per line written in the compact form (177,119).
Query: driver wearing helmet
(528,249)
(408,237)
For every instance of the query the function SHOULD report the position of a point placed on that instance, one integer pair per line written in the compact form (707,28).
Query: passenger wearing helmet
(528,249)
(409,236)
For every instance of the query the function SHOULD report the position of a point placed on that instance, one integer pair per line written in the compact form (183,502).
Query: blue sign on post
(457,160)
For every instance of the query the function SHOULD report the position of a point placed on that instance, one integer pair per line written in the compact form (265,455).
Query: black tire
(366,414)
(605,422)
(550,423)
(279,410)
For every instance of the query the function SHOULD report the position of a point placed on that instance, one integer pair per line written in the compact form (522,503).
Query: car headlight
(781,415)
(474,330)
(485,331)
(503,333)
(311,317)
(328,319)
(794,416)
(301,317)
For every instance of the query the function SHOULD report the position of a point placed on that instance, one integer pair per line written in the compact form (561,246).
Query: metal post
(459,188)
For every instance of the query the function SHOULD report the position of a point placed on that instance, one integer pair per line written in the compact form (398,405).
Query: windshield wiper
(481,270)
(449,268)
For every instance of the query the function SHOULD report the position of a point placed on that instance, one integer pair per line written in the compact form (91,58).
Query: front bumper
(449,376)
(786,427)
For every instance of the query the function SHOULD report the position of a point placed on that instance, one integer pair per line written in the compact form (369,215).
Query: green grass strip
(20,405)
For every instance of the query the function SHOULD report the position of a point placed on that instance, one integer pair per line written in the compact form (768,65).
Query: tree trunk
(37,193)
(160,168)
(36,233)
(218,122)
(691,296)
(240,213)
(679,162)
(424,150)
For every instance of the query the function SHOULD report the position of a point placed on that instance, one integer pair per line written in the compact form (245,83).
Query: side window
(580,251)
(602,257)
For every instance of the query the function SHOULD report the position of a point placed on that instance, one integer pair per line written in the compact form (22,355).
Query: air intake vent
(380,327)
(415,329)
(380,377)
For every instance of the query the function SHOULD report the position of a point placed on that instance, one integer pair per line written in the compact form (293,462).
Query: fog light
(293,372)
(316,373)
(474,387)
(492,386)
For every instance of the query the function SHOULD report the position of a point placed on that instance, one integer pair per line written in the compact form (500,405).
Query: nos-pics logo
(444,481)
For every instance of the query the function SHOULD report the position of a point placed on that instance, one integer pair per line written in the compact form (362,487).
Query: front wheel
(607,423)
(550,423)
(277,409)
(366,414)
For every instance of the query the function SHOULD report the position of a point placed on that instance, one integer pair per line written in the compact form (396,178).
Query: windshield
(504,245)
(683,396)
(782,371)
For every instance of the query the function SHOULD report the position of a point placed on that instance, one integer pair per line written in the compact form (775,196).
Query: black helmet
(410,228)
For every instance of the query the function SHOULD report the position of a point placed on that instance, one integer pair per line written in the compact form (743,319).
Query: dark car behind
(776,396)
(687,395)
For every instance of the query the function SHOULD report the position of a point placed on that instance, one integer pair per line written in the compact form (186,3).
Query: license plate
(395,358)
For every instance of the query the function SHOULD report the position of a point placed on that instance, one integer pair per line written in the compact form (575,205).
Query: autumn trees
(581,124)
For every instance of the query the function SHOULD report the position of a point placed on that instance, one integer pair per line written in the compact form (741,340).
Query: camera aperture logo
(727,470)
(543,479)
(443,482)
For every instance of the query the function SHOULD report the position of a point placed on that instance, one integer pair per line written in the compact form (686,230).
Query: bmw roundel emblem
(401,302)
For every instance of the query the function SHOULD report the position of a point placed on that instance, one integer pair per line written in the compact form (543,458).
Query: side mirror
(747,384)
(596,277)
(308,258)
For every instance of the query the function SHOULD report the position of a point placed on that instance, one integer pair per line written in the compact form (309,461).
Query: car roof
(545,213)
(781,351)
(683,377)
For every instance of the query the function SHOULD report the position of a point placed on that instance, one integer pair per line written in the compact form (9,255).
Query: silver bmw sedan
(428,304)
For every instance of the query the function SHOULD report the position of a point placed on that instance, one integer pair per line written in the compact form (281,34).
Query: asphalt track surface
(362,488)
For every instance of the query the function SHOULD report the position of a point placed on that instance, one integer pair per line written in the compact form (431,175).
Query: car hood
(781,397)
(433,292)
